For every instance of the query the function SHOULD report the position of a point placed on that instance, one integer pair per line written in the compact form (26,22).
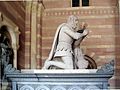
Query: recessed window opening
(85,2)
(80,3)
(75,3)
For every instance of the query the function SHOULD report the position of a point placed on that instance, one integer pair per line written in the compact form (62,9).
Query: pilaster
(33,41)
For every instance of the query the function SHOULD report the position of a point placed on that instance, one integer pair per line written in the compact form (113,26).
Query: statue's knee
(69,67)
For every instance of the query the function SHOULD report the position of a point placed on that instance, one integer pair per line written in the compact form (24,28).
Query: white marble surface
(59,71)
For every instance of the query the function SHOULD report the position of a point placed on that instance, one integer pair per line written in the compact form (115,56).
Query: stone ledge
(59,80)
(58,71)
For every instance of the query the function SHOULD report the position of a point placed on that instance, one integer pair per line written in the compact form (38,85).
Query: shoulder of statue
(67,27)
(64,27)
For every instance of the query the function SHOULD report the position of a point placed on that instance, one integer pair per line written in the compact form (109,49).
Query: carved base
(50,80)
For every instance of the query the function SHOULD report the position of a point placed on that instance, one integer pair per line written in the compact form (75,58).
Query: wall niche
(10,31)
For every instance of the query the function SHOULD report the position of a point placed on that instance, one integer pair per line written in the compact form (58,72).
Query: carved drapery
(58,87)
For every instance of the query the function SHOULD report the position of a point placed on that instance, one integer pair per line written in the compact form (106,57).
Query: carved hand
(85,32)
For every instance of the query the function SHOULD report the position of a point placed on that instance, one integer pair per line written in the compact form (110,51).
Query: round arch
(13,31)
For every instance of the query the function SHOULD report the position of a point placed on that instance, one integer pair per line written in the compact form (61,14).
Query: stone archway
(5,45)
(14,44)
(13,32)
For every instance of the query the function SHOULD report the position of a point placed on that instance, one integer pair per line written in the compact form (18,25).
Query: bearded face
(73,22)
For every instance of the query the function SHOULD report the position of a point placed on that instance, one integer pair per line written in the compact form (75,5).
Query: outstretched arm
(71,33)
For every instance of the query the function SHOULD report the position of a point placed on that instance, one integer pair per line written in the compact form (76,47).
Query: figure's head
(83,25)
(73,21)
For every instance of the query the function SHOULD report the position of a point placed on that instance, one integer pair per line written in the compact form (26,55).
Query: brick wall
(57,3)
(68,3)
(103,2)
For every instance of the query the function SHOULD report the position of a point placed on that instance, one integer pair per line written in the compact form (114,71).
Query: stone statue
(5,50)
(62,52)
(79,59)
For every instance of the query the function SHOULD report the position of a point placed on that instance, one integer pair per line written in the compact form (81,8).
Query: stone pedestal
(59,80)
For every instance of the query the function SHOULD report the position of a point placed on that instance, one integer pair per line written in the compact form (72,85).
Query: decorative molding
(75,88)
(81,11)
(42,88)
(92,88)
(58,88)
(26,87)
(82,8)
(107,68)
(59,80)
(10,69)
(93,15)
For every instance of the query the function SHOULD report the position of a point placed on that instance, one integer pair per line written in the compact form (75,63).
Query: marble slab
(59,71)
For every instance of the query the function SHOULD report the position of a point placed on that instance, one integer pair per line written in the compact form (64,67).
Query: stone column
(15,45)
(27,34)
(33,34)
(39,34)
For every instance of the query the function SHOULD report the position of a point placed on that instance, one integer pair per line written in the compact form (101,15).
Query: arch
(14,35)
(14,45)
(5,39)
